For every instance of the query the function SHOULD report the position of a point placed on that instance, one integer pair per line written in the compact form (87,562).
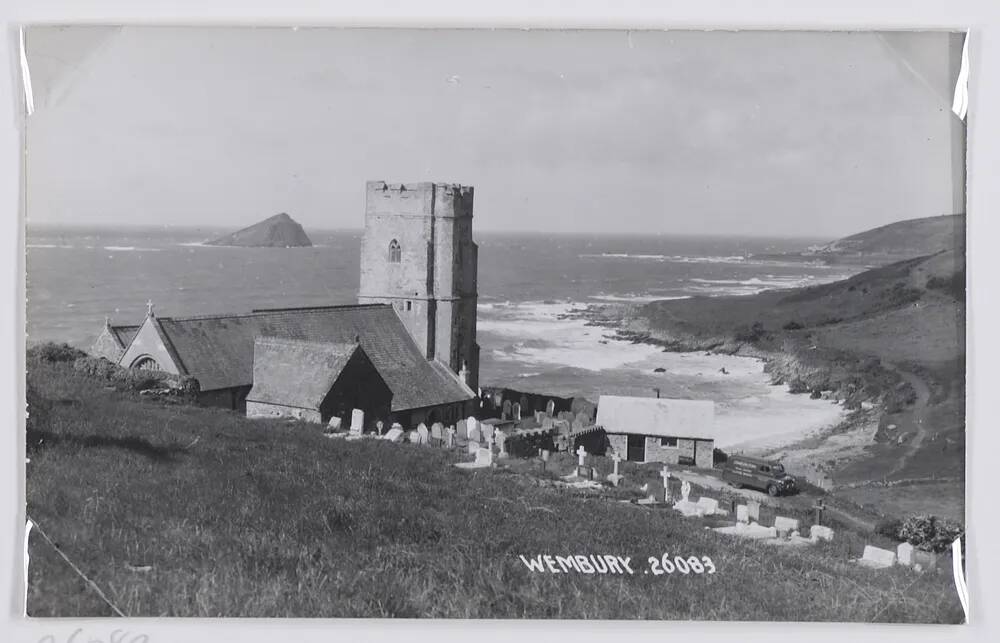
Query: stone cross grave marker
(357,422)
(550,408)
(450,440)
(665,474)
(617,460)
(685,490)
(423,434)
(581,455)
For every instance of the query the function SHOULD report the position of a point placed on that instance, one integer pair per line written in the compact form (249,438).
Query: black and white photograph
(443,323)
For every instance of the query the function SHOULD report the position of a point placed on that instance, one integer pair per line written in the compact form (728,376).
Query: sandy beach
(549,347)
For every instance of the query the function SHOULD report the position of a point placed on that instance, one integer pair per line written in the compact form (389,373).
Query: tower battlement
(426,198)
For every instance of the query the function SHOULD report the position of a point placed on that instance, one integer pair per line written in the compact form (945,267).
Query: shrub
(889,528)
(135,380)
(51,352)
(527,446)
(793,325)
(95,366)
(953,285)
(930,533)
(755,333)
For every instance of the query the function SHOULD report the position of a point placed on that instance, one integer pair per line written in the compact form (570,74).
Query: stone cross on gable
(581,453)
(149,308)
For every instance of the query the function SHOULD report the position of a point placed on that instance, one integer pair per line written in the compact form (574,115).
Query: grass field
(255,518)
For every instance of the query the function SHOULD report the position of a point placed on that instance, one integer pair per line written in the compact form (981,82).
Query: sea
(77,276)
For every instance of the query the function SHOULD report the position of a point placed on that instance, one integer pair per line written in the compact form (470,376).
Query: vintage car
(757,473)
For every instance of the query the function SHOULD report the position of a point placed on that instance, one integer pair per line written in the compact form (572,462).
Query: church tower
(418,255)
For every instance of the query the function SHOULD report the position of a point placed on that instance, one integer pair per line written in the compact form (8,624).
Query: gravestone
(819,532)
(615,478)
(742,514)
(484,457)
(334,422)
(357,422)
(501,438)
(472,429)
(550,408)
(708,505)
(546,422)
(473,447)
(904,553)
(394,435)
(877,558)
(413,437)
(540,417)
(685,491)
(507,412)
(380,427)
(665,474)
(486,430)
(437,431)
(397,425)
(450,436)
(516,411)
(545,458)
(581,454)
(423,434)
(753,510)
(785,524)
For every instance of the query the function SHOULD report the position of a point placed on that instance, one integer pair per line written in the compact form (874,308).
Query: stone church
(406,352)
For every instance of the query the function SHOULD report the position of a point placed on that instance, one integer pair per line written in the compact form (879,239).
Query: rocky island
(279,231)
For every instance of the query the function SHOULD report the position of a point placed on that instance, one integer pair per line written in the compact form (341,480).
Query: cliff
(279,231)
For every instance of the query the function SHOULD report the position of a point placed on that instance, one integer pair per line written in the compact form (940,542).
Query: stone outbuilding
(646,429)
(315,381)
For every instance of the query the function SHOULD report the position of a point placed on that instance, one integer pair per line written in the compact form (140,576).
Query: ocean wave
(131,249)
(46,245)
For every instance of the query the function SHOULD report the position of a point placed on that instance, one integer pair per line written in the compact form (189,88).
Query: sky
(799,134)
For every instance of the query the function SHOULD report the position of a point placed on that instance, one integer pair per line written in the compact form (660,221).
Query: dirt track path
(913,418)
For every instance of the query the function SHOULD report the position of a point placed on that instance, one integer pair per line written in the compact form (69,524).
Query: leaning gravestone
(394,435)
(423,434)
(877,558)
(334,422)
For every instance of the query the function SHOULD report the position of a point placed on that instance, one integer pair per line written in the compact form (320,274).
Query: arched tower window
(395,252)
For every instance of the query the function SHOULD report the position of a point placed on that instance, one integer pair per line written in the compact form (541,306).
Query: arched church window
(395,252)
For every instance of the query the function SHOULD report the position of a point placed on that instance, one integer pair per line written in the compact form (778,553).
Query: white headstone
(472,429)
(437,431)
(423,434)
(785,524)
(905,555)
(334,422)
(462,429)
(685,491)
(357,421)
(394,435)
(484,456)
(517,411)
(550,408)
(379,426)
(709,505)
(742,514)
(486,430)
(540,416)
(413,437)
(877,557)
(545,455)
(396,425)
(819,532)
(581,455)
(753,509)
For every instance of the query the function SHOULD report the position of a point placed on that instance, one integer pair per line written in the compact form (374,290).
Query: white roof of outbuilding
(657,416)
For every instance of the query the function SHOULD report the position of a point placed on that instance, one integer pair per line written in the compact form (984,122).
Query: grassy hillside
(175,510)
(903,239)
(893,336)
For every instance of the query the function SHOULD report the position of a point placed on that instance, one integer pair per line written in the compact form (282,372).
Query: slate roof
(124,334)
(657,416)
(218,350)
(297,373)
